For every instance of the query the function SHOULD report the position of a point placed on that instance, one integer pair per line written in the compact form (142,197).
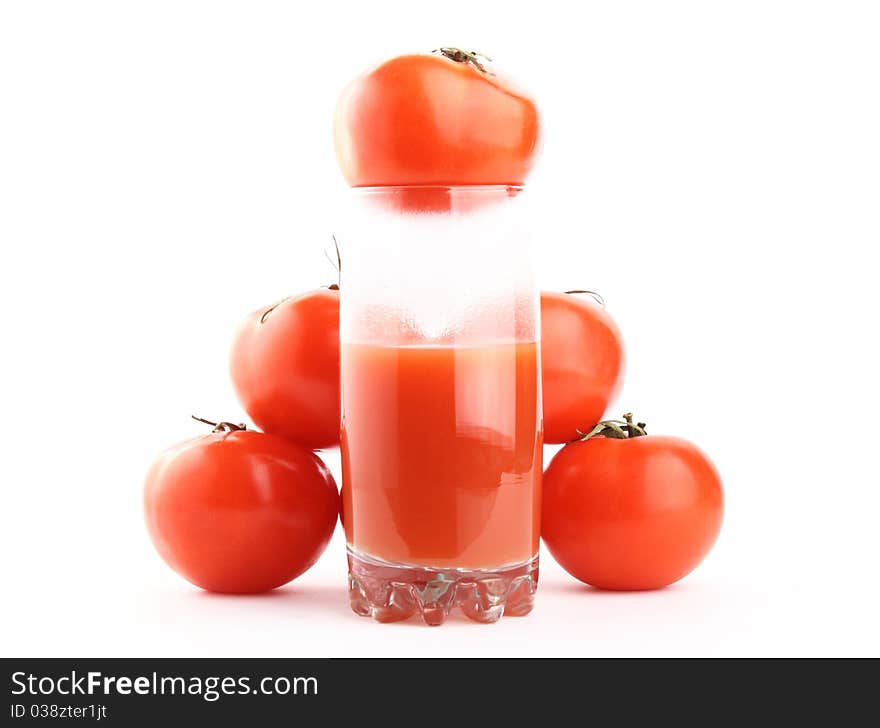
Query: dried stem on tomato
(222,426)
(597,297)
(624,429)
(337,264)
(460,56)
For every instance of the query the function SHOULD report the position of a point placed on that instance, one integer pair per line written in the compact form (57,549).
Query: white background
(713,168)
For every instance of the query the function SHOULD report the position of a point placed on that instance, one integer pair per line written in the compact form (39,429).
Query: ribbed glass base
(390,592)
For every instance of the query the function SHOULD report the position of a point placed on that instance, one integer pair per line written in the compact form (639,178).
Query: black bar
(390,692)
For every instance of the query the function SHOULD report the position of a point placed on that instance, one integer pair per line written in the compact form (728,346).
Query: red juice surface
(441,453)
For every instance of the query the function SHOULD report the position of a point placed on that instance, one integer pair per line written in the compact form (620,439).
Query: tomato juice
(441,453)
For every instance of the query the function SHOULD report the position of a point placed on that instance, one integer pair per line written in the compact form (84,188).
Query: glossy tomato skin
(285,368)
(427,120)
(631,514)
(582,362)
(240,512)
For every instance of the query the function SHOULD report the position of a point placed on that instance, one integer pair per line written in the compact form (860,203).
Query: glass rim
(482,188)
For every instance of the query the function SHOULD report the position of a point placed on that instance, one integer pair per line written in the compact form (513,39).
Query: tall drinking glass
(441,403)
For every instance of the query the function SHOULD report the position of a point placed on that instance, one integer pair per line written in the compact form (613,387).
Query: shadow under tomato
(301,597)
(594,592)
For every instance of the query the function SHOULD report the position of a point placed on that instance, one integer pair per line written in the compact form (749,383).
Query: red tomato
(240,512)
(631,514)
(435,119)
(582,362)
(285,368)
